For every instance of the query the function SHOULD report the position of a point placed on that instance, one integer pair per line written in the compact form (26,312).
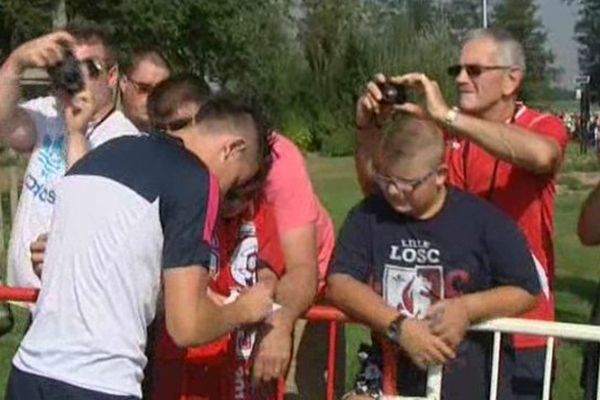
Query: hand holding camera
(387,95)
(66,76)
(435,107)
(43,52)
(379,102)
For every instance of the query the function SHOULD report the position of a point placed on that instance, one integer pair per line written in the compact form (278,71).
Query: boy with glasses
(498,149)
(420,262)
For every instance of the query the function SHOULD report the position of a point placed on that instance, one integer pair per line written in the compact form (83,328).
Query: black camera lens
(66,76)
(392,93)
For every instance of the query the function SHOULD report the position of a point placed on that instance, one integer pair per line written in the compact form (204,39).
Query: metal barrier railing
(498,327)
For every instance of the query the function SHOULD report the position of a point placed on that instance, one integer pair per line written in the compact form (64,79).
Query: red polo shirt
(526,197)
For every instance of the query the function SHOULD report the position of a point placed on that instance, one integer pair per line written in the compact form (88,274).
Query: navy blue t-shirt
(469,246)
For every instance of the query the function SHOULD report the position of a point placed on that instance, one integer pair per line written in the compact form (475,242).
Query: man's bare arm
(17,128)
(588,228)
(297,288)
(193,318)
(510,143)
(507,142)
(361,302)
(369,118)
(451,318)
(367,142)
(295,292)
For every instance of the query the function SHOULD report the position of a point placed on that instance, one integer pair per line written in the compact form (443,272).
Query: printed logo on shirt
(51,157)
(39,190)
(413,290)
(245,339)
(243,260)
(417,281)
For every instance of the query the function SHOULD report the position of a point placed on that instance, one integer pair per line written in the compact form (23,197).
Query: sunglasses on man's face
(93,67)
(473,70)
(140,87)
(178,123)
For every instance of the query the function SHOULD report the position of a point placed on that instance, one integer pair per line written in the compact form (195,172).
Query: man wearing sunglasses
(55,129)
(146,69)
(498,149)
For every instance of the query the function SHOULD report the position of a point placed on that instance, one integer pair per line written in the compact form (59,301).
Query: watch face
(392,331)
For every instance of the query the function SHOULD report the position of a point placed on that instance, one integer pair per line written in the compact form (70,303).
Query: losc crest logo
(244,259)
(244,345)
(413,290)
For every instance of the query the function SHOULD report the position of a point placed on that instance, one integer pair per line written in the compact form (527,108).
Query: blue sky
(559,20)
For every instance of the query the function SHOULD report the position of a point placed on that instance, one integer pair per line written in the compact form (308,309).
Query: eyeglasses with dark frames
(403,185)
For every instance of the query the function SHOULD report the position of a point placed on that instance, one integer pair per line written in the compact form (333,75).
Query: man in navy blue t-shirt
(135,214)
(421,262)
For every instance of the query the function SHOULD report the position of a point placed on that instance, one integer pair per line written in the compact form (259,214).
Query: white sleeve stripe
(542,276)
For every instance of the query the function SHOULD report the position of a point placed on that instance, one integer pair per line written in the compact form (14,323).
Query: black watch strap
(394,329)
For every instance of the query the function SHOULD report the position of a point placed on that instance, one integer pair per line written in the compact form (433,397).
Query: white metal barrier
(552,330)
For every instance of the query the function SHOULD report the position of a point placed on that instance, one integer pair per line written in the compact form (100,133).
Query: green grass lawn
(577,271)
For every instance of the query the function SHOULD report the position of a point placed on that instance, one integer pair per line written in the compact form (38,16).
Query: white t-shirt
(136,207)
(47,165)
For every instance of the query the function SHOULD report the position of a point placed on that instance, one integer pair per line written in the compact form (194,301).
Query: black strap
(101,121)
(494,177)
(492,187)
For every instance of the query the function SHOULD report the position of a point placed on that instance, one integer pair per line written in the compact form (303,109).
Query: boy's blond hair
(411,140)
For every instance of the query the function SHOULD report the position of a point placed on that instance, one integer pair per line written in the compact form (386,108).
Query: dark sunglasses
(178,124)
(140,87)
(93,67)
(473,70)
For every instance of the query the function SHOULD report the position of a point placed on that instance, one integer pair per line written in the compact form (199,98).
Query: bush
(295,127)
(362,44)
(570,182)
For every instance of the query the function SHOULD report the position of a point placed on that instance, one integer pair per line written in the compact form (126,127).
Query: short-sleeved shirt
(468,247)
(526,197)
(47,165)
(244,242)
(127,211)
(290,193)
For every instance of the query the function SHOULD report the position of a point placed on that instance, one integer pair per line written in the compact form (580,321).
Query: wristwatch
(451,116)
(394,329)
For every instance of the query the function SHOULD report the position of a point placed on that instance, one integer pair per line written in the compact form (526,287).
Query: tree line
(306,60)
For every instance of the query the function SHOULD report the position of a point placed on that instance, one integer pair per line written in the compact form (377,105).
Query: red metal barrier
(18,294)
(316,313)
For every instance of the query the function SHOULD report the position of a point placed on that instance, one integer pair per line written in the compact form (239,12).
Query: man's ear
(122,83)
(513,81)
(442,175)
(234,148)
(113,76)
